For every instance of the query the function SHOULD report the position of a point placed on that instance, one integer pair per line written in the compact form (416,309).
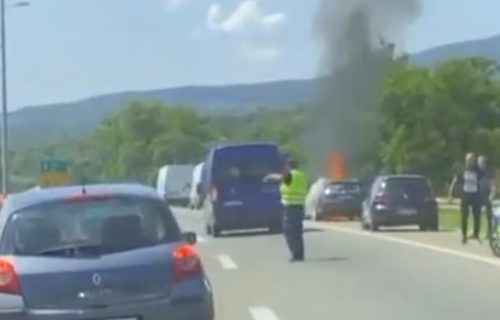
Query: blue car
(236,197)
(98,252)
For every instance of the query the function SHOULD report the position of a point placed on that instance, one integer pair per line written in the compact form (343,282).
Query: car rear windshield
(344,188)
(110,224)
(409,186)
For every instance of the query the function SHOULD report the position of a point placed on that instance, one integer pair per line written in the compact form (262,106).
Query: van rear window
(245,170)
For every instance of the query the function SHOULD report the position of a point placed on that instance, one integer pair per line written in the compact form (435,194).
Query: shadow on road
(327,259)
(411,230)
(261,232)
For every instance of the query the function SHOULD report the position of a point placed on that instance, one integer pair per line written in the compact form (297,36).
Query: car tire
(276,228)
(364,225)
(216,231)
(317,217)
(374,226)
(433,226)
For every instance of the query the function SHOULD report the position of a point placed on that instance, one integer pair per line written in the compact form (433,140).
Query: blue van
(235,195)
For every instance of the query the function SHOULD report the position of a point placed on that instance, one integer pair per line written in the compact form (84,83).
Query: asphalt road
(349,274)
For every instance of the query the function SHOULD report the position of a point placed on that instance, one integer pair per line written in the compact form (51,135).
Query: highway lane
(348,274)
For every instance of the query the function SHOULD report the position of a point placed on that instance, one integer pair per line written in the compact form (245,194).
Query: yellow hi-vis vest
(294,193)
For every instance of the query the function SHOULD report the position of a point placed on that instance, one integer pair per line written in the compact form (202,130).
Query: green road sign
(54,172)
(54,165)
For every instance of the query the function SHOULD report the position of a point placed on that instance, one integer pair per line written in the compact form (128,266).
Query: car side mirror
(190,237)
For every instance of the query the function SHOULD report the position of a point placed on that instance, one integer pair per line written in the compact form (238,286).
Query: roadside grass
(449,219)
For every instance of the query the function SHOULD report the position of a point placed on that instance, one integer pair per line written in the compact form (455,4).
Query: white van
(174,183)
(194,198)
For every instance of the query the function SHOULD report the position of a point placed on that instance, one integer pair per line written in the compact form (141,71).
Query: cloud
(260,53)
(173,5)
(246,16)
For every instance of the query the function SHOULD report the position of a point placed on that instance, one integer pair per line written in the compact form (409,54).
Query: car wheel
(373,226)
(433,226)
(317,217)
(364,225)
(216,231)
(276,228)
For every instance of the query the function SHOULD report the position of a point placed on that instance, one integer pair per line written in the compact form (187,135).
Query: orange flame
(336,166)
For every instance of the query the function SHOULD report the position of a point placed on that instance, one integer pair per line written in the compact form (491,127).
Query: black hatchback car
(400,200)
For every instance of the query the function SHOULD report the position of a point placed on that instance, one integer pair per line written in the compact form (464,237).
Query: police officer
(293,188)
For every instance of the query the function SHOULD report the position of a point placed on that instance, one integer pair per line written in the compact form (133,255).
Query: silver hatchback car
(99,252)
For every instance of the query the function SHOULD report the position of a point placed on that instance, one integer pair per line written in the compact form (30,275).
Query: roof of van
(248,144)
(176,165)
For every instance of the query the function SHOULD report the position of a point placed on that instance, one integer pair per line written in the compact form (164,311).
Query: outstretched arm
(273,177)
(452,187)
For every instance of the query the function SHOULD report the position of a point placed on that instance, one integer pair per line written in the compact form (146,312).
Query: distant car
(340,199)
(103,252)
(237,198)
(400,200)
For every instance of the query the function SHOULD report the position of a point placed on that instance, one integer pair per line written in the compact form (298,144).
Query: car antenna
(84,190)
(84,180)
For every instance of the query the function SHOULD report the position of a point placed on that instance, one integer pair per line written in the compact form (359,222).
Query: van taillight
(213,194)
(186,263)
(382,196)
(9,282)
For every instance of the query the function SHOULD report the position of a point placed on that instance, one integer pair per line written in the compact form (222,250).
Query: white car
(312,198)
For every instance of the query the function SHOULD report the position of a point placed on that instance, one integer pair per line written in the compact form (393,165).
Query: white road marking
(470,256)
(262,313)
(226,262)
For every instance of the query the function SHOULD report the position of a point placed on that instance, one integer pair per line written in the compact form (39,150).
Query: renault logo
(96,279)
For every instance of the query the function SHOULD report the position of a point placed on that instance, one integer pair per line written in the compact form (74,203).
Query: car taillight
(186,263)
(382,197)
(9,282)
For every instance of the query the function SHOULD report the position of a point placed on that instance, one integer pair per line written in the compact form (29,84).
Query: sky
(65,50)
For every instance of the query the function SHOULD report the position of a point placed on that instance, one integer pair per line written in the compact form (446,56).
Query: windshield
(113,225)
(343,188)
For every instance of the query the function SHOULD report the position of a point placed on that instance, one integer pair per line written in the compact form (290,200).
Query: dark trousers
(467,203)
(486,204)
(293,219)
